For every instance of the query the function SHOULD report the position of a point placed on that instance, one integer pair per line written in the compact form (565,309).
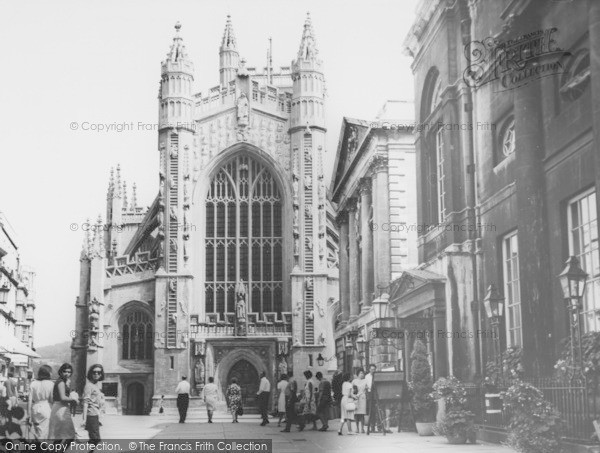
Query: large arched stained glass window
(243,238)
(137,335)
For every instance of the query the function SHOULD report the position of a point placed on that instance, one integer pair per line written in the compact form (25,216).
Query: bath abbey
(232,270)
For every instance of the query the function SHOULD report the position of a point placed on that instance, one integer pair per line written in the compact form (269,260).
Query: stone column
(381,220)
(367,243)
(532,235)
(353,258)
(342,221)
(440,344)
(594,30)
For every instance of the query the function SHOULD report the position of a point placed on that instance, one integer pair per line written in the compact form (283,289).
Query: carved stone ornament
(243,111)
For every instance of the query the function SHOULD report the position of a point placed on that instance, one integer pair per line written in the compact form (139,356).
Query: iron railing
(577,401)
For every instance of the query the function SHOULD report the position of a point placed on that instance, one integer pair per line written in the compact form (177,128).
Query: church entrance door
(248,380)
(135,399)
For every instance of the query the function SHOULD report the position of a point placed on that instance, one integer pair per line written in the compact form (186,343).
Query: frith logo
(515,62)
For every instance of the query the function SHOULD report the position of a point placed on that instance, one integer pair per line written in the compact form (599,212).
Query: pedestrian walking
(309,412)
(281,386)
(183,398)
(39,404)
(11,391)
(360,384)
(348,404)
(211,396)
(264,390)
(234,400)
(93,403)
(336,387)
(291,397)
(61,423)
(323,401)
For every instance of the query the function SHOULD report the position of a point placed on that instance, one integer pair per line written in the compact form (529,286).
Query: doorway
(247,378)
(135,399)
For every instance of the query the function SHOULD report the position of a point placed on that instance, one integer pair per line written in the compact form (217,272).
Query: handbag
(240,411)
(350,406)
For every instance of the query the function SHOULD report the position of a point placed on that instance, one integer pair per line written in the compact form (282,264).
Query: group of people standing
(51,406)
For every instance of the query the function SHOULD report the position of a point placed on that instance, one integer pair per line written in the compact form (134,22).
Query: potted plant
(457,424)
(421,386)
(535,425)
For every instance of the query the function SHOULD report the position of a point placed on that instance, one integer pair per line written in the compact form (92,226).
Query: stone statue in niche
(94,315)
(295,184)
(199,374)
(240,307)
(243,111)
(163,306)
(308,243)
(298,309)
(296,245)
(307,182)
(174,152)
(352,141)
(172,214)
(283,366)
(172,285)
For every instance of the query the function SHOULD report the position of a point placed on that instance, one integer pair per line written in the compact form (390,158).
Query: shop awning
(12,345)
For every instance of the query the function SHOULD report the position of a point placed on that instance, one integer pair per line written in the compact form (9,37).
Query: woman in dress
(211,395)
(40,403)
(361,404)
(234,399)
(309,413)
(348,400)
(281,386)
(93,402)
(61,423)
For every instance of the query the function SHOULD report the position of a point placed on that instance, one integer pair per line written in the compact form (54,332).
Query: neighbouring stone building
(508,169)
(17,306)
(232,271)
(374,190)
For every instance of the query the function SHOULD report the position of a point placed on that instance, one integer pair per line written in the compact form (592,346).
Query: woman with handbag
(348,405)
(360,384)
(234,400)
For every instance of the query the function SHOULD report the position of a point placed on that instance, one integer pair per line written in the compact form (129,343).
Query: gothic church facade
(232,271)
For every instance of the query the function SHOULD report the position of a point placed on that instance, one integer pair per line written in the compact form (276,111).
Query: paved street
(161,427)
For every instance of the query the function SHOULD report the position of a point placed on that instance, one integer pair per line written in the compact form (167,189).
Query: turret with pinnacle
(229,58)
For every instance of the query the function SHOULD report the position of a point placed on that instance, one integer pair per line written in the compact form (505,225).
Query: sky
(79,62)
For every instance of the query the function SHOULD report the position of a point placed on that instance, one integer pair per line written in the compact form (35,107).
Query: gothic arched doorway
(135,399)
(248,380)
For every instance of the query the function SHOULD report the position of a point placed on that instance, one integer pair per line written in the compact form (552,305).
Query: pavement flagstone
(161,427)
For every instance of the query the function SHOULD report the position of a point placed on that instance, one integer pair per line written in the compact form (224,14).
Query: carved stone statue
(240,306)
(243,111)
(352,141)
(199,373)
(172,214)
(283,366)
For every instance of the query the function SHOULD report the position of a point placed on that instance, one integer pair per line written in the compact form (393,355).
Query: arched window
(136,333)
(436,94)
(243,238)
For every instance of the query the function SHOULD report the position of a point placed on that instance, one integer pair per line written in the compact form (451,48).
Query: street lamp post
(494,305)
(573,281)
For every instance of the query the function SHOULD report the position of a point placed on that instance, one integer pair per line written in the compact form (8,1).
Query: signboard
(110,388)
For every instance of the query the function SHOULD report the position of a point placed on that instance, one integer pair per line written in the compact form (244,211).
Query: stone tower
(307,129)
(173,288)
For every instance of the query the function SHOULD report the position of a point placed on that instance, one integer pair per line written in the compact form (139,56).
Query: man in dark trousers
(323,400)
(290,402)
(264,390)
(183,398)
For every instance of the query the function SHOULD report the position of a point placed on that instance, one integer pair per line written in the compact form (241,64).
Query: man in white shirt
(183,398)
(264,390)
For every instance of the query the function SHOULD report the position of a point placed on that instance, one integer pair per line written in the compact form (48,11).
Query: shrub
(534,425)
(457,421)
(421,384)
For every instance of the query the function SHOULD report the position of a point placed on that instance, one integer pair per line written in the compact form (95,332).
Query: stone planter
(424,429)
(458,439)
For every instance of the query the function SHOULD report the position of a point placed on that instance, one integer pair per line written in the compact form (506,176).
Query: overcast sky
(99,62)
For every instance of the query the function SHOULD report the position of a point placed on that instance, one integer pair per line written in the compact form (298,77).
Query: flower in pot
(457,424)
(421,386)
